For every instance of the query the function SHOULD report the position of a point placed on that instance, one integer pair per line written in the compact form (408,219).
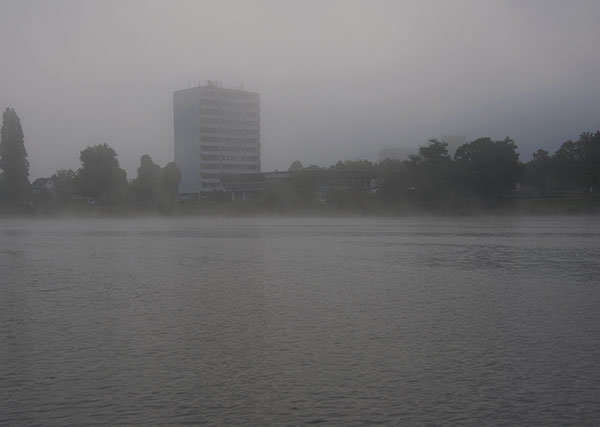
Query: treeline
(482,175)
(100,184)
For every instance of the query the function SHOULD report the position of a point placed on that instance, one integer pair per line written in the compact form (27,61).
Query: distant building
(243,186)
(42,185)
(329,181)
(320,182)
(216,132)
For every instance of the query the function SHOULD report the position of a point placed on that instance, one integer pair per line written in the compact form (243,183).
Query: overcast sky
(337,79)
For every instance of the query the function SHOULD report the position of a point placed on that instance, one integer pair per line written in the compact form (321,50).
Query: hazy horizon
(337,80)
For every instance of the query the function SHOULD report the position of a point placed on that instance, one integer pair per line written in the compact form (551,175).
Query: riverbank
(365,207)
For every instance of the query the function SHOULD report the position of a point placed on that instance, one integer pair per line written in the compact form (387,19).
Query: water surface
(404,321)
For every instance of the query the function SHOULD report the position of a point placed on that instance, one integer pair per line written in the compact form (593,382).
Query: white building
(216,132)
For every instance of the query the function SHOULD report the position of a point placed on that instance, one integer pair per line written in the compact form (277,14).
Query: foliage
(100,176)
(579,162)
(430,173)
(147,187)
(14,178)
(396,182)
(356,164)
(171,178)
(537,171)
(155,187)
(486,169)
(296,166)
(482,174)
(573,169)
(313,167)
(65,185)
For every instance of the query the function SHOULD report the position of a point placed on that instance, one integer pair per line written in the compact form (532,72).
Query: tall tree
(296,166)
(65,185)
(578,163)
(14,179)
(147,187)
(396,180)
(538,171)
(429,173)
(100,176)
(171,178)
(488,168)
(588,146)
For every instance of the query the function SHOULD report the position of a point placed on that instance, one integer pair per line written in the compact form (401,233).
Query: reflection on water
(490,321)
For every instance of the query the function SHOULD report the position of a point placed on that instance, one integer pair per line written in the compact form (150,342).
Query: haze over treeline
(337,79)
(481,175)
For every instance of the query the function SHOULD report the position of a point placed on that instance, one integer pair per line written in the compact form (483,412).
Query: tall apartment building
(217,132)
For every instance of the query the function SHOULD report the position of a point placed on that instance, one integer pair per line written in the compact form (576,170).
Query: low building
(328,181)
(321,182)
(243,186)
(42,186)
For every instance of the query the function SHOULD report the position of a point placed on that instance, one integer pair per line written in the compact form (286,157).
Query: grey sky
(338,79)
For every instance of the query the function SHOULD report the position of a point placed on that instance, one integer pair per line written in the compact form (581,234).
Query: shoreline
(510,207)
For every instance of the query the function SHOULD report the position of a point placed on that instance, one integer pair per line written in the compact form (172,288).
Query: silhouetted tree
(567,163)
(148,186)
(356,164)
(538,171)
(296,166)
(396,180)
(588,156)
(14,179)
(313,167)
(100,176)
(429,173)
(155,187)
(488,168)
(436,152)
(65,184)
(171,178)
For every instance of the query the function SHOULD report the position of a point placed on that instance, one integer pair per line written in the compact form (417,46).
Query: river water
(285,321)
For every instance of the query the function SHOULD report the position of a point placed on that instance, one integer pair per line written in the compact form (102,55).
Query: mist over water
(264,321)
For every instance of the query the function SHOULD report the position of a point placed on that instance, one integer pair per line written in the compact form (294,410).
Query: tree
(429,174)
(356,164)
(313,167)
(171,178)
(156,187)
(588,146)
(100,176)
(395,179)
(13,157)
(537,171)
(147,187)
(488,168)
(296,166)
(65,184)
(435,152)
(577,163)
(567,163)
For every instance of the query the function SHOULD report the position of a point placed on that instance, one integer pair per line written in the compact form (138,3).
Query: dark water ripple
(413,321)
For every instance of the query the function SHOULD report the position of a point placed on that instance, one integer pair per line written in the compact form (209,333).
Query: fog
(338,80)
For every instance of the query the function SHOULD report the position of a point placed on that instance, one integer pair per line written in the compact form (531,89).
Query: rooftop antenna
(242,86)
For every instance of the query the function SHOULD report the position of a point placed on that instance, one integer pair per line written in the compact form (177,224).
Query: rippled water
(410,321)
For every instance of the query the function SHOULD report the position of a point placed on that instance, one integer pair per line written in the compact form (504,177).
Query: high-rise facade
(216,132)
